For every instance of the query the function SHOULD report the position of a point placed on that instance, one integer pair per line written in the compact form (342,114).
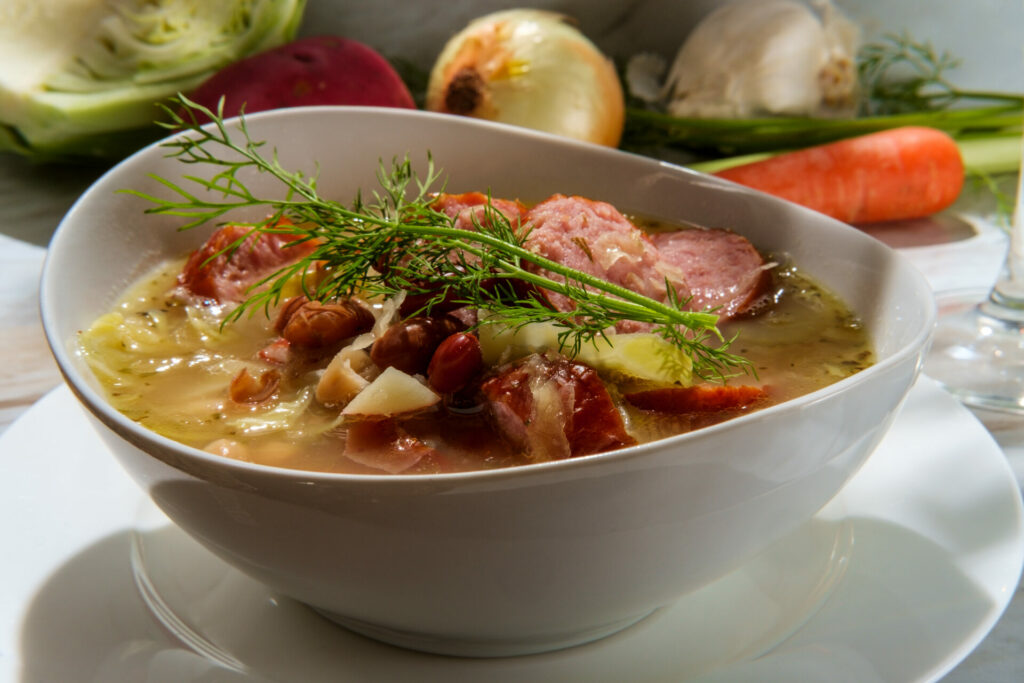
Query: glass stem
(1007,298)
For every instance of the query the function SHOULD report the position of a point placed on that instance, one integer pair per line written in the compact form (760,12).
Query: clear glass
(978,349)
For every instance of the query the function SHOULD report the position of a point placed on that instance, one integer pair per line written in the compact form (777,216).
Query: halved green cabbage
(81,77)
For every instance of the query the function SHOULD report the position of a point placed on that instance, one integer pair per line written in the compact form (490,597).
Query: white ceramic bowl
(525,559)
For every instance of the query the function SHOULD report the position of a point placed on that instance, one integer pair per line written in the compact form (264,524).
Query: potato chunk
(392,393)
(344,377)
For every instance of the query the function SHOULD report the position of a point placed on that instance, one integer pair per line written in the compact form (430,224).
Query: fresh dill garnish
(393,241)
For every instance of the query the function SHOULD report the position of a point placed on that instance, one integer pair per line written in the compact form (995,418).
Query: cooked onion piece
(533,69)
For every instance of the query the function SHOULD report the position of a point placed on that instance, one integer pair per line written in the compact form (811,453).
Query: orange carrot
(700,398)
(894,174)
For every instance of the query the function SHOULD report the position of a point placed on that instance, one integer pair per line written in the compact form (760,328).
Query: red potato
(311,71)
(900,173)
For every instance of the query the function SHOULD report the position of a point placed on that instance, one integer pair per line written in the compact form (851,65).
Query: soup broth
(168,362)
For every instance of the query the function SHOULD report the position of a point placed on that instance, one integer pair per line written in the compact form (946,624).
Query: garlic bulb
(757,57)
(529,68)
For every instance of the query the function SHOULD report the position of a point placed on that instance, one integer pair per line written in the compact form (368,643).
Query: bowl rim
(122,425)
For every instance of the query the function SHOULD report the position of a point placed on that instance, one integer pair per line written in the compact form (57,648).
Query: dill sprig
(393,240)
(898,75)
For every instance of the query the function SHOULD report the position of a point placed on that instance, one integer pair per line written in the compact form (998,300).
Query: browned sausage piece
(501,289)
(314,325)
(722,270)
(470,207)
(554,408)
(225,277)
(277,352)
(245,388)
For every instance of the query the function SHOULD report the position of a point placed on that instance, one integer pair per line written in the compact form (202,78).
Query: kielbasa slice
(554,408)
(700,398)
(386,445)
(722,270)
(468,207)
(595,238)
(469,210)
(221,276)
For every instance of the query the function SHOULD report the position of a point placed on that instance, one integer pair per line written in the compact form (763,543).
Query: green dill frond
(898,75)
(392,240)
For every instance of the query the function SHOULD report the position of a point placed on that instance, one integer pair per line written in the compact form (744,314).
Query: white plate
(936,555)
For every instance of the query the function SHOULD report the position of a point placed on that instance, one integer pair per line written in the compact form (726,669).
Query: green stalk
(989,154)
(744,136)
(627,301)
(987,95)
(716,165)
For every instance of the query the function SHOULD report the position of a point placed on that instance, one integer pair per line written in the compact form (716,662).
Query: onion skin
(529,68)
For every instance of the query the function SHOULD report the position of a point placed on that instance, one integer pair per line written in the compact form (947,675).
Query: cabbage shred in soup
(375,383)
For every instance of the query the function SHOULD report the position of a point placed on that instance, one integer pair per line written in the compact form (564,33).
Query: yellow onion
(529,68)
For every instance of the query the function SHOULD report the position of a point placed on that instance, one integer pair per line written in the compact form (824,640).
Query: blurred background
(984,34)
(988,35)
